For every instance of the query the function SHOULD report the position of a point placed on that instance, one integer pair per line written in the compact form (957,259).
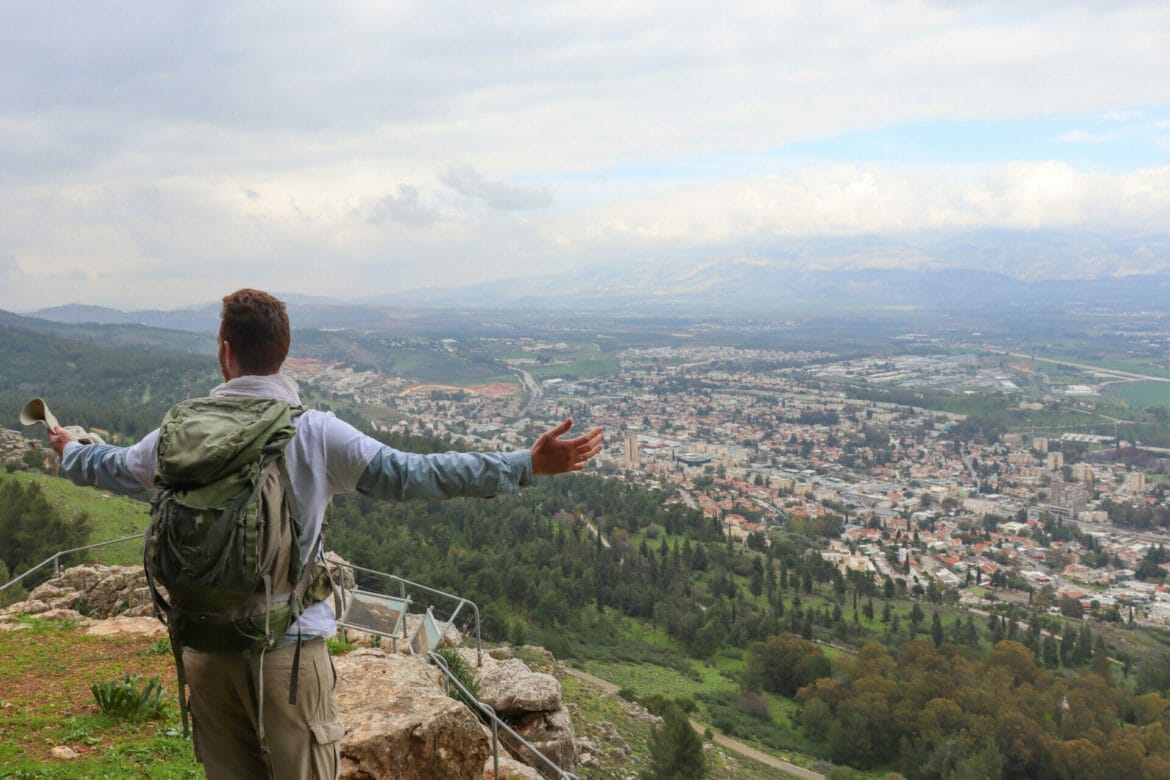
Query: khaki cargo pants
(304,739)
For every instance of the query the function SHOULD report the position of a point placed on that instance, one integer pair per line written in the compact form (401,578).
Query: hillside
(47,710)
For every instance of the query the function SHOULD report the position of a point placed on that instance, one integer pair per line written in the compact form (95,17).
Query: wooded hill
(118,378)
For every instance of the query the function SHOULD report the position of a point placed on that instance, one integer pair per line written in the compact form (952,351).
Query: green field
(583,367)
(1140,395)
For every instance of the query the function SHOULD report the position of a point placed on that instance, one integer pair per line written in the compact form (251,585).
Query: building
(1135,482)
(1070,496)
(1083,472)
(630,452)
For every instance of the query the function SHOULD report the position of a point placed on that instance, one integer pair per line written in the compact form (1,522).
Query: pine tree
(676,751)
(970,633)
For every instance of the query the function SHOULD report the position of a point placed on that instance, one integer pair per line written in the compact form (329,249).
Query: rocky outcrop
(399,723)
(14,449)
(531,703)
(92,590)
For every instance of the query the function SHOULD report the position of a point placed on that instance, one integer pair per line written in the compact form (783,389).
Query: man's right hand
(58,438)
(554,455)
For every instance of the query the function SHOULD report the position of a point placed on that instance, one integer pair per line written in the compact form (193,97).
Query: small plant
(161,647)
(462,672)
(124,698)
(338,647)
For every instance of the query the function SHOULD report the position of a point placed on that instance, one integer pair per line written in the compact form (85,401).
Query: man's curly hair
(256,325)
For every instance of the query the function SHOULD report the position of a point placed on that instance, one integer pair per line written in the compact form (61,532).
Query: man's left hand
(553,455)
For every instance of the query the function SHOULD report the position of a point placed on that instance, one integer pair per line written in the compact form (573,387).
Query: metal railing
(403,584)
(496,722)
(56,557)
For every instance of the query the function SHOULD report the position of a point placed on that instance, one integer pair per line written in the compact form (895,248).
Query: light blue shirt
(326,457)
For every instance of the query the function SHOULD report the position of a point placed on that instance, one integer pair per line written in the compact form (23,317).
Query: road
(1105,372)
(687,498)
(733,745)
(535,394)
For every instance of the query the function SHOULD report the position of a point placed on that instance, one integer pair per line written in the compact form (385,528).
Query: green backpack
(224,534)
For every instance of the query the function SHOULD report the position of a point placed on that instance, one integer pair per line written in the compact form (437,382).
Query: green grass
(45,702)
(1141,395)
(111,516)
(583,367)
(593,707)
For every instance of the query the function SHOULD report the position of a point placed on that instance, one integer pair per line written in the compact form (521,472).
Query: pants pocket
(327,733)
(326,749)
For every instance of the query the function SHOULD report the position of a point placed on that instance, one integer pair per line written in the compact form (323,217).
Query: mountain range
(977,270)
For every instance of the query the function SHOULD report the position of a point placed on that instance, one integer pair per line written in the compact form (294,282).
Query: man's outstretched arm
(120,469)
(392,475)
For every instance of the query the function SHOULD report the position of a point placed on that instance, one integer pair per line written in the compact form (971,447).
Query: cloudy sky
(160,154)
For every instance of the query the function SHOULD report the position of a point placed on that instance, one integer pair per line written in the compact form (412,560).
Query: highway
(535,394)
(1105,372)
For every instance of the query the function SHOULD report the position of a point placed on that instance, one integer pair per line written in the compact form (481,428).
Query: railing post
(478,642)
(496,747)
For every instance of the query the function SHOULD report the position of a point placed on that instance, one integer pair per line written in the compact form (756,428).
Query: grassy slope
(46,702)
(111,516)
(591,707)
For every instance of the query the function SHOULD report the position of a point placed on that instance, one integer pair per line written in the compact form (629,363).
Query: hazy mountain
(761,287)
(975,269)
(125,334)
(200,319)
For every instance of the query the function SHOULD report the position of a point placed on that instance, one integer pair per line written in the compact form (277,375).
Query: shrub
(462,672)
(123,699)
(754,705)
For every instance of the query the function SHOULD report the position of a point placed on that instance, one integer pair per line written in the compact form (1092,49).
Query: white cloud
(405,206)
(466,180)
(846,200)
(156,153)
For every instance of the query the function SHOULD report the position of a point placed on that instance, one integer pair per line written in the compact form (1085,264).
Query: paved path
(727,742)
(593,530)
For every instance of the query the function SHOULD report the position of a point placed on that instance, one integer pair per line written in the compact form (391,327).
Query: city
(887,483)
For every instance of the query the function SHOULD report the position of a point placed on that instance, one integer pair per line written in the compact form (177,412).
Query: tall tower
(630,450)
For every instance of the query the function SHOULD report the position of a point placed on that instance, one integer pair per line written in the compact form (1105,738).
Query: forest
(123,391)
(31,530)
(1016,695)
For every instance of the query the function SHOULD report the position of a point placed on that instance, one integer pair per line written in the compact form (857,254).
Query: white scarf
(276,386)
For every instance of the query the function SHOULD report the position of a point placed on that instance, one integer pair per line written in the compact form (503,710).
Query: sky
(158,155)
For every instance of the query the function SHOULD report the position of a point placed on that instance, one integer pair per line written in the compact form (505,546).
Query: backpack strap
(164,611)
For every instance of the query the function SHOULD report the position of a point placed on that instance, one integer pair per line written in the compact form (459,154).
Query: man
(326,456)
